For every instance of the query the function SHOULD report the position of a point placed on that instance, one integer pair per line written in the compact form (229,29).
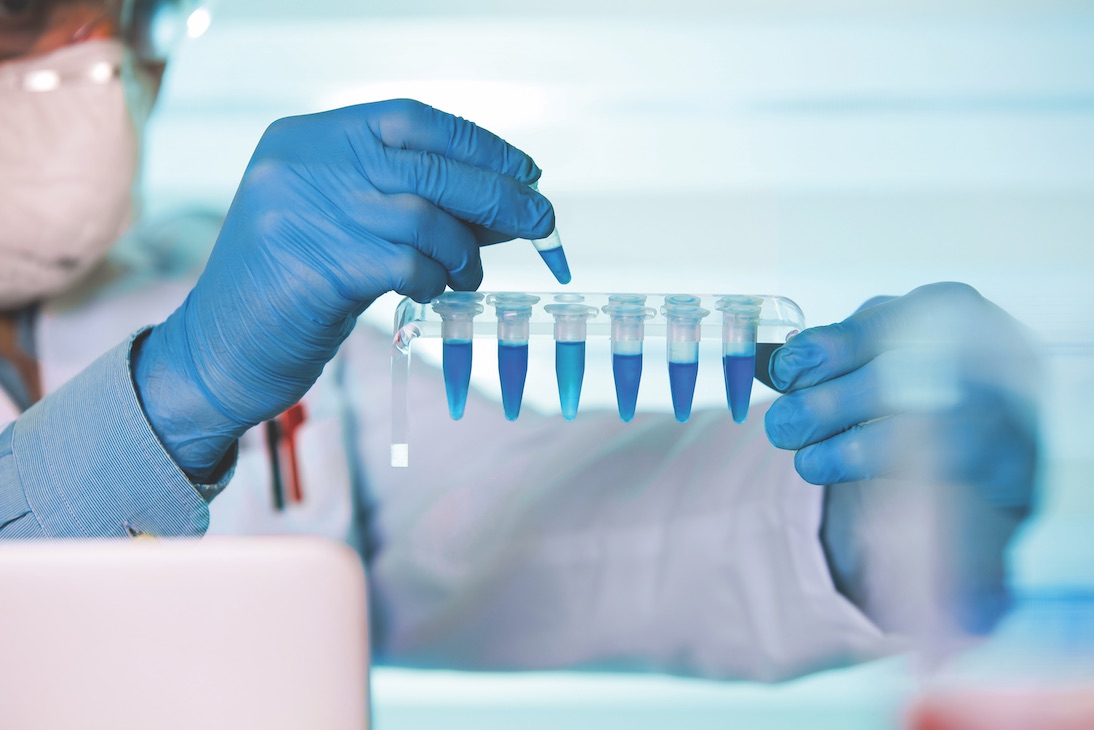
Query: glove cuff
(196,434)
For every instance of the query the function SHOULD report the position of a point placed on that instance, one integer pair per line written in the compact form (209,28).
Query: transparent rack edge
(778,318)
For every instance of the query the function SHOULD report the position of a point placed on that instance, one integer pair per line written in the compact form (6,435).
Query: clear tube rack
(779,319)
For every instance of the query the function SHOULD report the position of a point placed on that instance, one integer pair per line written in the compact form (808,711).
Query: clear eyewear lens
(157,27)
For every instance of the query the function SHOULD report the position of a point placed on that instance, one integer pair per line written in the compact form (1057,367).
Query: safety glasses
(151,28)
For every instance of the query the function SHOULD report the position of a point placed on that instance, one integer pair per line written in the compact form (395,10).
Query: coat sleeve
(691,550)
(84,462)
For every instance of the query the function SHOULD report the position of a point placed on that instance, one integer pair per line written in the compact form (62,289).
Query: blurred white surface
(863,698)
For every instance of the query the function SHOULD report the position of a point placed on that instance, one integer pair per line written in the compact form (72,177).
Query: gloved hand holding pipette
(334,210)
(937,387)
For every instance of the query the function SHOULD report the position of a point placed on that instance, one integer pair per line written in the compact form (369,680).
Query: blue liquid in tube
(513,371)
(682,382)
(628,373)
(739,371)
(570,371)
(456,363)
(555,258)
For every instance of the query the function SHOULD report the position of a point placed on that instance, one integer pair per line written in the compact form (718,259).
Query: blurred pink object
(1019,708)
(225,633)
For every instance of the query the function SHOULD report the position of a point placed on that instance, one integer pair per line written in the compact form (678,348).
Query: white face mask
(69,157)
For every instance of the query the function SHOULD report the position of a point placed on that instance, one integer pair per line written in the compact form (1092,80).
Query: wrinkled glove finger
(486,237)
(865,451)
(483,197)
(411,273)
(413,221)
(874,301)
(410,125)
(822,353)
(813,414)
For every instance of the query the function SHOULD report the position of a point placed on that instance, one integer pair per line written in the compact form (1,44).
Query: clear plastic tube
(570,332)
(639,299)
(779,319)
(683,333)
(457,311)
(514,312)
(740,317)
(628,318)
(550,250)
(677,300)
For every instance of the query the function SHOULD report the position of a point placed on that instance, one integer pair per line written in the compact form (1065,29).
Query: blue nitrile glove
(935,387)
(333,210)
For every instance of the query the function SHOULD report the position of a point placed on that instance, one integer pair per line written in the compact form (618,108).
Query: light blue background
(827,151)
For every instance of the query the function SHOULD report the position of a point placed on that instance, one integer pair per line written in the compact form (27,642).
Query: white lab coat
(535,544)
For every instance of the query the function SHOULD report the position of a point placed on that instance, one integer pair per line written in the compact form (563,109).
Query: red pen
(289,423)
(280,435)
